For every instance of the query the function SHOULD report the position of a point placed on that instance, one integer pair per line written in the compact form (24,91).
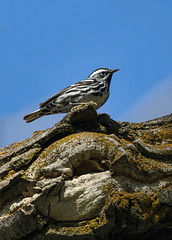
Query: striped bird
(93,89)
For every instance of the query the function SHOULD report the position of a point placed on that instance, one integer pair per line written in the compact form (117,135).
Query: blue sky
(48,45)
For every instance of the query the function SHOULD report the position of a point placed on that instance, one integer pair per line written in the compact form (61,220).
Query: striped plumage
(95,89)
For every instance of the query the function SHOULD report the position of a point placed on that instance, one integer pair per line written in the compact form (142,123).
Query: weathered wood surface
(89,177)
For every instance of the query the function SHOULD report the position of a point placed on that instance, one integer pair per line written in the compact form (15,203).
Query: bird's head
(103,74)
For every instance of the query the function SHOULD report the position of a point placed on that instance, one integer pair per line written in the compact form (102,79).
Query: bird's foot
(83,104)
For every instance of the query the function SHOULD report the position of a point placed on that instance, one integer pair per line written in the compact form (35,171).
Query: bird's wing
(41,105)
(67,89)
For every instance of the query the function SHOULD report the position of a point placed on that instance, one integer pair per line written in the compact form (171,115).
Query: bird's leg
(77,105)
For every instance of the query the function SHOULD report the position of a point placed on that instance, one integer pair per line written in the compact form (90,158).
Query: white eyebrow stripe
(97,71)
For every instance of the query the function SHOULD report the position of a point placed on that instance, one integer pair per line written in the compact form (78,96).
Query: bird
(96,89)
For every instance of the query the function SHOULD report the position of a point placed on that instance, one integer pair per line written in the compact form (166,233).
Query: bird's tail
(33,116)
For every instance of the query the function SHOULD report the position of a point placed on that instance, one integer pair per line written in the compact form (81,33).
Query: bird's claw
(84,104)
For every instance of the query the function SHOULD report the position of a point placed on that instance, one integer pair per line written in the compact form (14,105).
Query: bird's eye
(102,74)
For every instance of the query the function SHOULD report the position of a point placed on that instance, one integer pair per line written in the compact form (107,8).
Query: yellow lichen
(74,140)
(22,172)
(10,173)
(145,206)
(158,136)
(86,228)
(41,219)
(2,152)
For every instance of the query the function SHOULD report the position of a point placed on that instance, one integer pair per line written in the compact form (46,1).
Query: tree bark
(89,177)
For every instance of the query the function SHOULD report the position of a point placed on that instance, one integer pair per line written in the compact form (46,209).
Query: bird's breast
(100,96)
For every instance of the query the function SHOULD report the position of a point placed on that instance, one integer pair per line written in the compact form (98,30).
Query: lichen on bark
(89,177)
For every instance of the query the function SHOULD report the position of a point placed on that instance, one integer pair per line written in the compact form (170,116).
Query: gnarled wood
(89,177)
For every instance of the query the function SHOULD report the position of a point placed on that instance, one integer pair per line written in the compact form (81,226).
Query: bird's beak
(115,70)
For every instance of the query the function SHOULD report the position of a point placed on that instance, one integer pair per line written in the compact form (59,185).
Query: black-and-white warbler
(93,89)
